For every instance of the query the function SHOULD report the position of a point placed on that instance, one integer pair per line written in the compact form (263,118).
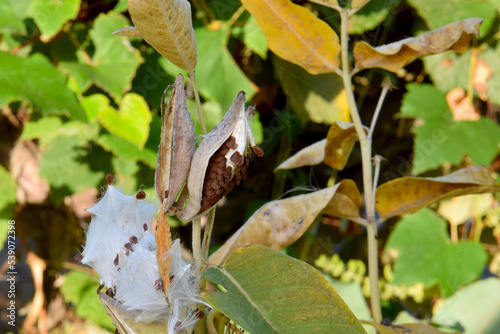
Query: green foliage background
(78,102)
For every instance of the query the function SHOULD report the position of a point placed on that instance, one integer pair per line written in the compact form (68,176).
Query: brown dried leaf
(414,328)
(124,320)
(346,201)
(454,36)
(308,156)
(177,146)
(410,194)
(277,224)
(208,146)
(340,140)
(166,25)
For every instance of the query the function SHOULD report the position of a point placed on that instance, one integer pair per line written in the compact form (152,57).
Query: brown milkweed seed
(78,258)
(109,179)
(128,246)
(145,227)
(140,195)
(115,261)
(133,239)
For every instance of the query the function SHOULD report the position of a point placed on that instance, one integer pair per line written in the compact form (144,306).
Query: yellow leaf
(308,156)
(410,194)
(166,25)
(454,36)
(277,224)
(415,328)
(340,140)
(295,34)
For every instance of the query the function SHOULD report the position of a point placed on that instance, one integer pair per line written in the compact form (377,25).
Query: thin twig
(385,88)
(198,103)
(233,20)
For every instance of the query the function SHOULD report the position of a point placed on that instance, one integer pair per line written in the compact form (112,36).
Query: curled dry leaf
(177,146)
(124,320)
(454,36)
(340,140)
(346,201)
(166,25)
(295,34)
(220,161)
(277,224)
(410,194)
(308,156)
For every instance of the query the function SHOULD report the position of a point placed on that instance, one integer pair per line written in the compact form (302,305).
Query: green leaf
(371,15)
(425,254)
(48,128)
(218,76)
(320,98)
(476,308)
(63,165)
(132,122)
(269,292)
(254,38)
(352,294)
(51,15)
(36,80)
(94,105)
(7,189)
(125,149)
(12,14)
(437,13)
(441,139)
(113,63)
(80,290)
(492,58)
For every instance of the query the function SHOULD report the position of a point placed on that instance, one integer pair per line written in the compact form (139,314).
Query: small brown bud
(109,179)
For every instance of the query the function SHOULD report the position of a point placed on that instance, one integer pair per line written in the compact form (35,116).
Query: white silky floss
(120,246)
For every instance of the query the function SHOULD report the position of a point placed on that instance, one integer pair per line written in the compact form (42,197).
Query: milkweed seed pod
(220,161)
(120,246)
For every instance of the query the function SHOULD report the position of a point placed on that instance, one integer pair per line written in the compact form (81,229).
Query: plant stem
(385,89)
(198,103)
(208,234)
(366,153)
(197,243)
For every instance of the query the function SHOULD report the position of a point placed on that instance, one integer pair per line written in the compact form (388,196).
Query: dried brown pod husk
(219,161)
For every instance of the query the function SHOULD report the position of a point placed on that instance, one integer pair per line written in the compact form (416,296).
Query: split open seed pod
(220,161)
(177,146)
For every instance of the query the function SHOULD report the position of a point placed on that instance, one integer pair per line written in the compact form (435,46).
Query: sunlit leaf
(12,14)
(475,308)
(36,80)
(269,292)
(166,25)
(437,13)
(425,254)
(320,98)
(340,141)
(51,15)
(308,156)
(277,224)
(113,64)
(295,34)
(125,149)
(454,36)
(409,194)
(131,122)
